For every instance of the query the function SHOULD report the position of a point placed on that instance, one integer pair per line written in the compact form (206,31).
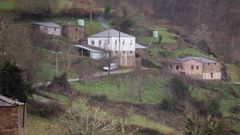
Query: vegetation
(154,89)
(12,84)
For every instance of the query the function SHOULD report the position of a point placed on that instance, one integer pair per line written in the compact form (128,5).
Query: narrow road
(98,74)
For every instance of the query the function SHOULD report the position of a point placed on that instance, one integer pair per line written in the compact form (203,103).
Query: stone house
(197,68)
(74,33)
(12,117)
(48,28)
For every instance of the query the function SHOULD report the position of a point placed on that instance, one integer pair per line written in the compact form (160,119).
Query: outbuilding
(89,51)
(12,117)
(48,28)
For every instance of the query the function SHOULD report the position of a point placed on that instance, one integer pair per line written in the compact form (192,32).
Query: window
(76,29)
(215,63)
(99,42)
(131,52)
(197,67)
(130,42)
(116,51)
(177,67)
(115,42)
(93,42)
(55,29)
(123,52)
(192,67)
(211,75)
(208,64)
(123,42)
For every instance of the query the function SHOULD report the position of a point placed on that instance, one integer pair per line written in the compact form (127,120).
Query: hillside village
(78,67)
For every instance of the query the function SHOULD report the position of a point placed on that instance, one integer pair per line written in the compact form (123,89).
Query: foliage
(12,84)
(179,88)
(86,120)
(45,108)
(196,124)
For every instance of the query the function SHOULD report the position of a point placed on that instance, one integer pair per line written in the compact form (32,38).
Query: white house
(49,28)
(121,45)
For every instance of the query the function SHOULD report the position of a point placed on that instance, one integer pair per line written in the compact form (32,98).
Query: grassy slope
(155,91)
(227,99)
(6,4)
(234,72)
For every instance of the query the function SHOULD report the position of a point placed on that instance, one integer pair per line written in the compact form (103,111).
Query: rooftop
(111,33)
(139,46)
(199,59)
(4,101)
(47,24)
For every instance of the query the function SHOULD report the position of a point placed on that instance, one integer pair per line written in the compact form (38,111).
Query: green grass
(41,126)
(190,52)
(155,89)
(234,72)
(6,4)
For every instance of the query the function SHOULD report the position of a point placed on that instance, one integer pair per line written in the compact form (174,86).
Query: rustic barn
(12,117)
(48,28)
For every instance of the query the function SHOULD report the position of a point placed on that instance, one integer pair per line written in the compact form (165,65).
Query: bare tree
(81,119)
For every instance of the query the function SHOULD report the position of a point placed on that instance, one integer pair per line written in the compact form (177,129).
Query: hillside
(147,101)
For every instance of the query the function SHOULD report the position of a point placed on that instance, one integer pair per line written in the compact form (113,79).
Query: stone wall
(74,33)
(11,120)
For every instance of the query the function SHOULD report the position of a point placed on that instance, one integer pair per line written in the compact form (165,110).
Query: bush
(12,84)
(45,108)
(179,88)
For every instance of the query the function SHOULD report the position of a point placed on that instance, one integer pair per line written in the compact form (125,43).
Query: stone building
(197,68)
(48,28)
(12,117)
(74,33)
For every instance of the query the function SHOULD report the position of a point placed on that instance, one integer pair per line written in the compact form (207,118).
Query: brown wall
(74,33)
(11,120)
(211,71)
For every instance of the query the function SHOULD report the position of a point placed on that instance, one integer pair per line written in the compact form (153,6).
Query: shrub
(45,108)
(12,84)
(179,88)
(81,119)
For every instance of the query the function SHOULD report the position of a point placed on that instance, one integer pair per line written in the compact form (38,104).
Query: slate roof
(4,101)
(139,46)
(47,24)
(199,59)
(110,33)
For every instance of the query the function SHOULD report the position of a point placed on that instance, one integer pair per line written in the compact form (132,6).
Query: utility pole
(110,54)
(91,11)
(56,61)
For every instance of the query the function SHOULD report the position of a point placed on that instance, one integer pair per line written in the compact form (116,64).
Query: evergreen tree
(12,84)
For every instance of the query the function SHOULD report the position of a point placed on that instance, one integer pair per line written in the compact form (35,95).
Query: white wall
(96,55)
(51,30)
(126,44)
(216,76)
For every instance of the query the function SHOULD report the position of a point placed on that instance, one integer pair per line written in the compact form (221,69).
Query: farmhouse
(73,32)
(197,68)
(121,45)
(12,117)
(48,28)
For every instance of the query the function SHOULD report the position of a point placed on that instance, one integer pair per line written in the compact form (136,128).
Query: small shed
(12,117)
(48,28)
(89,51)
